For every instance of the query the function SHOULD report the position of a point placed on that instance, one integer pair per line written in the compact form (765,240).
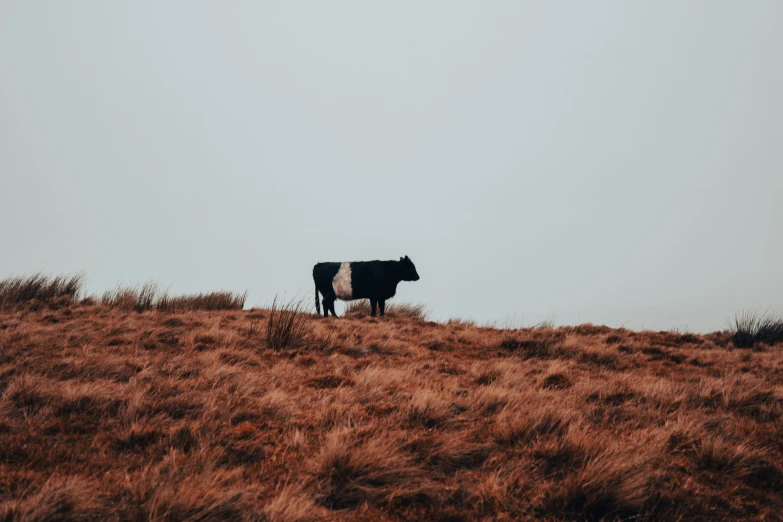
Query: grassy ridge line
(40,289)
(749,328)
(148,296)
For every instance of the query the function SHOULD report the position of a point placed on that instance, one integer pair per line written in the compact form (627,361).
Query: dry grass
(751,327)
(275,414)
(286,325)
(17,291)
(205,301)
(138,298)
(148,296)
(411,310)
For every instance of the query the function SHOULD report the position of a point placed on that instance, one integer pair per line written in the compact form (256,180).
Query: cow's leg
(373,304)
(331,307)
(328,302)
(382,306)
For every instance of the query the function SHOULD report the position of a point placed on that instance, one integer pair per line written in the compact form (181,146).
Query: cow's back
(370,280)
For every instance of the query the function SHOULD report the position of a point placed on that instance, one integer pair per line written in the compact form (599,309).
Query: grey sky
(608,162)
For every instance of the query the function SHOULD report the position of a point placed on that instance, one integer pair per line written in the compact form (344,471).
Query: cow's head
(408,270)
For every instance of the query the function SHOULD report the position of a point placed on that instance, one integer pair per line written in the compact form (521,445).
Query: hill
(110,414)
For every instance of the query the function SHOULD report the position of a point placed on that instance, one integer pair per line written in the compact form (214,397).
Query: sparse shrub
(349,472)
(137,298)
(453,452)
(27,396)
(458,321)
(519,427)
(590,329)
(427,409)
(763,471)
(716,454)
(661,354)
(16,291)
(614,394)
(599,358)
(204,339)
(542,343)
(222,300)
(183,490)
(359,307)
(556,456)
(488,400)
(654,352)
(148,296)
(751,327)
(760,405)
(329,381)
(688,338)
(745,327)
(183,439)
(136,439)
(411,310)
(609,486)
(59,500)
(287,324)
(487,377)
(241,453)
(291,505)
(557,381)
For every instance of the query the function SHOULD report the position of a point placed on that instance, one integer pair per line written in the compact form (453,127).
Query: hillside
(108,414)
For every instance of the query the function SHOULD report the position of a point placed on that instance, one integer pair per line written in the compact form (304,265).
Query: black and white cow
(349,280)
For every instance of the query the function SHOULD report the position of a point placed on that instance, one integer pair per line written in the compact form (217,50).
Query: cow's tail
(317,302)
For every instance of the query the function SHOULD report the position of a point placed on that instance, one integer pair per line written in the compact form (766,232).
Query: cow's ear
(406,258)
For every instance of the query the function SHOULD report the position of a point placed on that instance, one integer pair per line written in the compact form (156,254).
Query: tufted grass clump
(752,327)
(411,310)
(15,291)
(138,298)
(287,324)
(221,300)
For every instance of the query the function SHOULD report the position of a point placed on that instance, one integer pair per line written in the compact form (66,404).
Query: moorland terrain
(134,407)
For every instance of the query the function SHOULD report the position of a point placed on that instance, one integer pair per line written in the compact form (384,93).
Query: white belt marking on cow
(342,282)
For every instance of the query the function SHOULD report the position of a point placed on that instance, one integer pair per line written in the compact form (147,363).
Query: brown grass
(148,296)
(286,325)
(205,301)
(751,328)
(17,291)
(275,414)
(138,298)
(411,310)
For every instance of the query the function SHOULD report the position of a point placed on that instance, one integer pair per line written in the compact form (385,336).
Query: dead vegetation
(137,298)
(40,290)
(751,328)
(203,301)
(412,310)
(276,414)
(148,296)
(286,325)
(37,288)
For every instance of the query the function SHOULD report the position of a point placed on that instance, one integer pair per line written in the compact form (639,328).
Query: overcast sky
(608,161)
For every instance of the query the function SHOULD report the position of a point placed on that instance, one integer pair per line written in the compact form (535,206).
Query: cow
(349,280)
